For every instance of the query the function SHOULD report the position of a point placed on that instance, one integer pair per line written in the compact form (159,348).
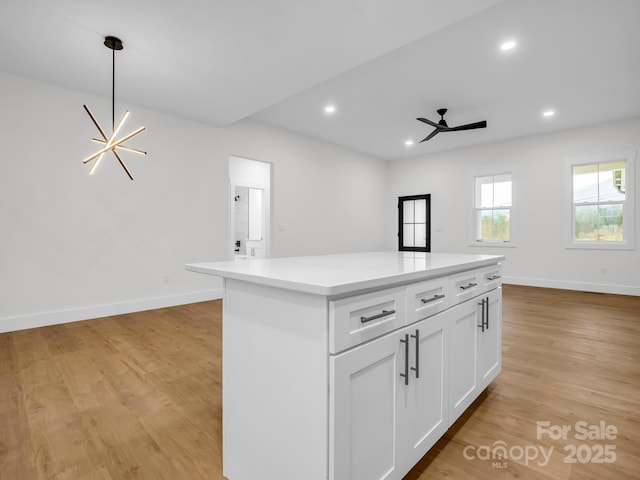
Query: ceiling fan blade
(429,122)
(431,135)
(469,126)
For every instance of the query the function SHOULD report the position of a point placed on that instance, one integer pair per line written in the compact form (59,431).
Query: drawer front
(491,277)
(465,285)
(427,298)
(355,320)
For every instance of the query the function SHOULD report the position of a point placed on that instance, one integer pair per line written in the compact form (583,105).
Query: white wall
(74,246)
(539,189)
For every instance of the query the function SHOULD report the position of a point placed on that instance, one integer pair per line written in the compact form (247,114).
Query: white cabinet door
(426,396)
(490,339)
(365,418)
(463,371)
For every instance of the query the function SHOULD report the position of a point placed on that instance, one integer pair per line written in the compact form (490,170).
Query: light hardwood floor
(139,396)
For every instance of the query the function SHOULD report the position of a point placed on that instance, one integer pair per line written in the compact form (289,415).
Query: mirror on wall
(248,221)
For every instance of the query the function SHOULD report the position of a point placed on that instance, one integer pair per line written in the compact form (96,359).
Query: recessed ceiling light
(549,113)
(330,109)
(508,45)
(408,143)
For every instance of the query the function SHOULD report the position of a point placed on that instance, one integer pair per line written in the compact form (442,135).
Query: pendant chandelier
(111,143)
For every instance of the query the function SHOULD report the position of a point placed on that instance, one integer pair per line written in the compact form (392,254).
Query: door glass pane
(407,211)
(407,235)
(420,235)
(420,211)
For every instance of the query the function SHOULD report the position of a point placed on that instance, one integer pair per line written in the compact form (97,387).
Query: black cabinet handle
(417,367)
(465,287)
(432,299)
(484,323)
(405,375)
(494,277)
(487,315)
(375,317)
(482,303)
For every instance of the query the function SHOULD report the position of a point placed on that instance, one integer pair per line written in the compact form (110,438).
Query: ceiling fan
(442,126)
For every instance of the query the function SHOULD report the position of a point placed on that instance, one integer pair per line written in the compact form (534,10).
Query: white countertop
(332,275)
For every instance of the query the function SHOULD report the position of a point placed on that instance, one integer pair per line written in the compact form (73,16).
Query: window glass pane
(420,211)
(485,225)
(421,234)
(407,235)
(586,223)
(484,192)
(486,195)
(502,194)
(407,211)
(585,183)
(611,181)
(610,223)
(501,221)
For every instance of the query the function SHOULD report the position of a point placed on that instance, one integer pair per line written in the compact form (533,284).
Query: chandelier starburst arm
(111,145)
(122,147)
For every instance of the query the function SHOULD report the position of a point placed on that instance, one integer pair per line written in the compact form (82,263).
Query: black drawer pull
(465,287)
(432,299)
(384,313)
(494,277)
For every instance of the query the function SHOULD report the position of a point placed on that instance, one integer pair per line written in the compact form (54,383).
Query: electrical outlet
(167,279)
(604,270)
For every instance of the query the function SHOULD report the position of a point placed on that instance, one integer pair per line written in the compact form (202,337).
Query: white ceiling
(381,62)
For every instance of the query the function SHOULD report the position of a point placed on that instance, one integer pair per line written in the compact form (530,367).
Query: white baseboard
(569,285)
(22,322)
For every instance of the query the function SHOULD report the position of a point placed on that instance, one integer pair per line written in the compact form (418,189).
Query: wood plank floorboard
(139,396)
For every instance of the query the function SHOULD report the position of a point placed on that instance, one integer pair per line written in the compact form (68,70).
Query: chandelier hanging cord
(110,143)
(114,43)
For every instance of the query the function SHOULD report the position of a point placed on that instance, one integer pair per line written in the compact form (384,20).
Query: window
(493,205)
(414,226)
(602,202)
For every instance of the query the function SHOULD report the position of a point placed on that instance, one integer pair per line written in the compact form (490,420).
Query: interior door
(414,223)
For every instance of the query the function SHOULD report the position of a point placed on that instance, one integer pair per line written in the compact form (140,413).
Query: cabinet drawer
(427,298)
(465,285)
(355,320)
(491,278)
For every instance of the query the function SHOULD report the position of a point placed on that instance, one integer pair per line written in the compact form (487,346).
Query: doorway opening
(249,209)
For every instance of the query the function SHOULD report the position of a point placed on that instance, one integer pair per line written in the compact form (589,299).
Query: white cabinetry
(389,402)
(350,367)
(489,347)
(475,350)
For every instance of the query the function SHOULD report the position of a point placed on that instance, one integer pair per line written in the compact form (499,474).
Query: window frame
(629,203)
(473,221)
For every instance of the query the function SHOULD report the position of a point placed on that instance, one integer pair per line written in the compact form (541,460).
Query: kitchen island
(350,367)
